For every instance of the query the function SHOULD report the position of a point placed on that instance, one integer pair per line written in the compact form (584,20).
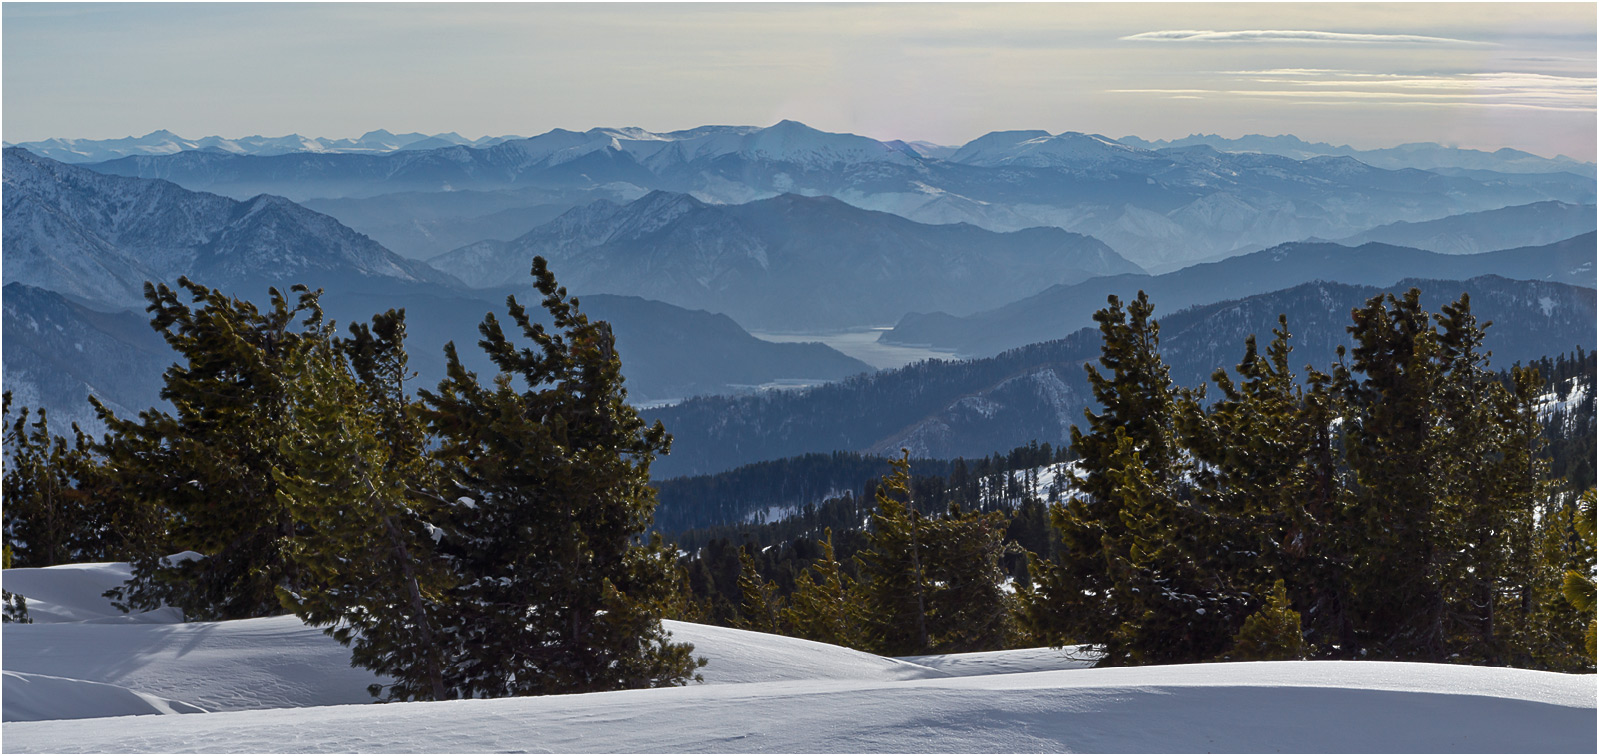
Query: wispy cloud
(1532,91)
(1282,35)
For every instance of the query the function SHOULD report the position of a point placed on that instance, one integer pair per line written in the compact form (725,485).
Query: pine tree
(1271,634)
(48,520)
(1578,586)
(825,606)
(1125,573)
(969,609)
(13,607)
(762,609)
(1398,459)
(894,582)
(208,474)
(1268,486)
(366,542)
(545,489)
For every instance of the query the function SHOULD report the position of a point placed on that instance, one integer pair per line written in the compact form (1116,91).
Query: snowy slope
(273,685)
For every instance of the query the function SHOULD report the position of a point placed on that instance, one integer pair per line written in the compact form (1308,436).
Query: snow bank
(32,697)
(1303,706)
(75,593)
(279,662)
(275,685)
(1008,662)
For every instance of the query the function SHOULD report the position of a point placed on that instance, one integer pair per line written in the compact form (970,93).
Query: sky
(1479,75)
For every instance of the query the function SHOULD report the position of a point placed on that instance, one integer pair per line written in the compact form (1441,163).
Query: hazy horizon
(1479,76)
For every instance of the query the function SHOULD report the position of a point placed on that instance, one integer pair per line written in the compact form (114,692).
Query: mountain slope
(75,237)
(789,262)
(101,237)
(942,410)
(1154,207)
(1519,226)
(57,352)
(1063,309)
(1425,155)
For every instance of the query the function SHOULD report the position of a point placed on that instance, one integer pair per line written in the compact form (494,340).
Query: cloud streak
(1283,35)
(1532,91)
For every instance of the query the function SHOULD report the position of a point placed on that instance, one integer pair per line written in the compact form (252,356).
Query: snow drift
(275,685)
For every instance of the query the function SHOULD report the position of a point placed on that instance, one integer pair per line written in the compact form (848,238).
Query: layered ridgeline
(100,237)
(1060,310)
(80,245)
(944,409)
(1153,206)
(1426,155)
(789,262)
(1520,226)
(163,142)
(419,225)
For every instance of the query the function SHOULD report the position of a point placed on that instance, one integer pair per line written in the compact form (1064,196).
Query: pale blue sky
(1479,75)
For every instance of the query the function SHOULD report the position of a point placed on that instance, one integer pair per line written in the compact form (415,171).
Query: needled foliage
(51,516)
(545,475)
(1396,507)
(208,472)
(825,605)
(893,574)
(366,541)
(1130,572)
(1271,634)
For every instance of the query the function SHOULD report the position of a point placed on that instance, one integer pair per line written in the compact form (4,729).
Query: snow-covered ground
(274,685)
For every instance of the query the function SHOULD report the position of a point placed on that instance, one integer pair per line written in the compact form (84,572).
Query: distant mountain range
(1519,226)
(1154,207)
(419,225)
(942,410)
(79,245)
(164,142)
(1063,309)
(1424,155)
(101,237)
(789,262)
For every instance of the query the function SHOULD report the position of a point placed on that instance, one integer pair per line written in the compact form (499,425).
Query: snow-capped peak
(1040,150)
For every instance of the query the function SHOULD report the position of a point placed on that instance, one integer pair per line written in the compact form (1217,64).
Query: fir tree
(825,606)
(366,543)
(208,474)
(13,607)
(545,490)
(762,608)
(48,517)
(1126,572)
(1578,587)
(894,581)
(969,608)
(1397,456)
(1271,634)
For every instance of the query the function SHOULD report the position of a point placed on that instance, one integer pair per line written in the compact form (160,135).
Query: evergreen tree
(1268,486)
(1271,634)
(1127,573)
(209,473)
(894,581)
(969,608)
(762,609)
(545,490)
(366,540)
(49,519)
(1578,587)
(825,606)
(1398,456)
